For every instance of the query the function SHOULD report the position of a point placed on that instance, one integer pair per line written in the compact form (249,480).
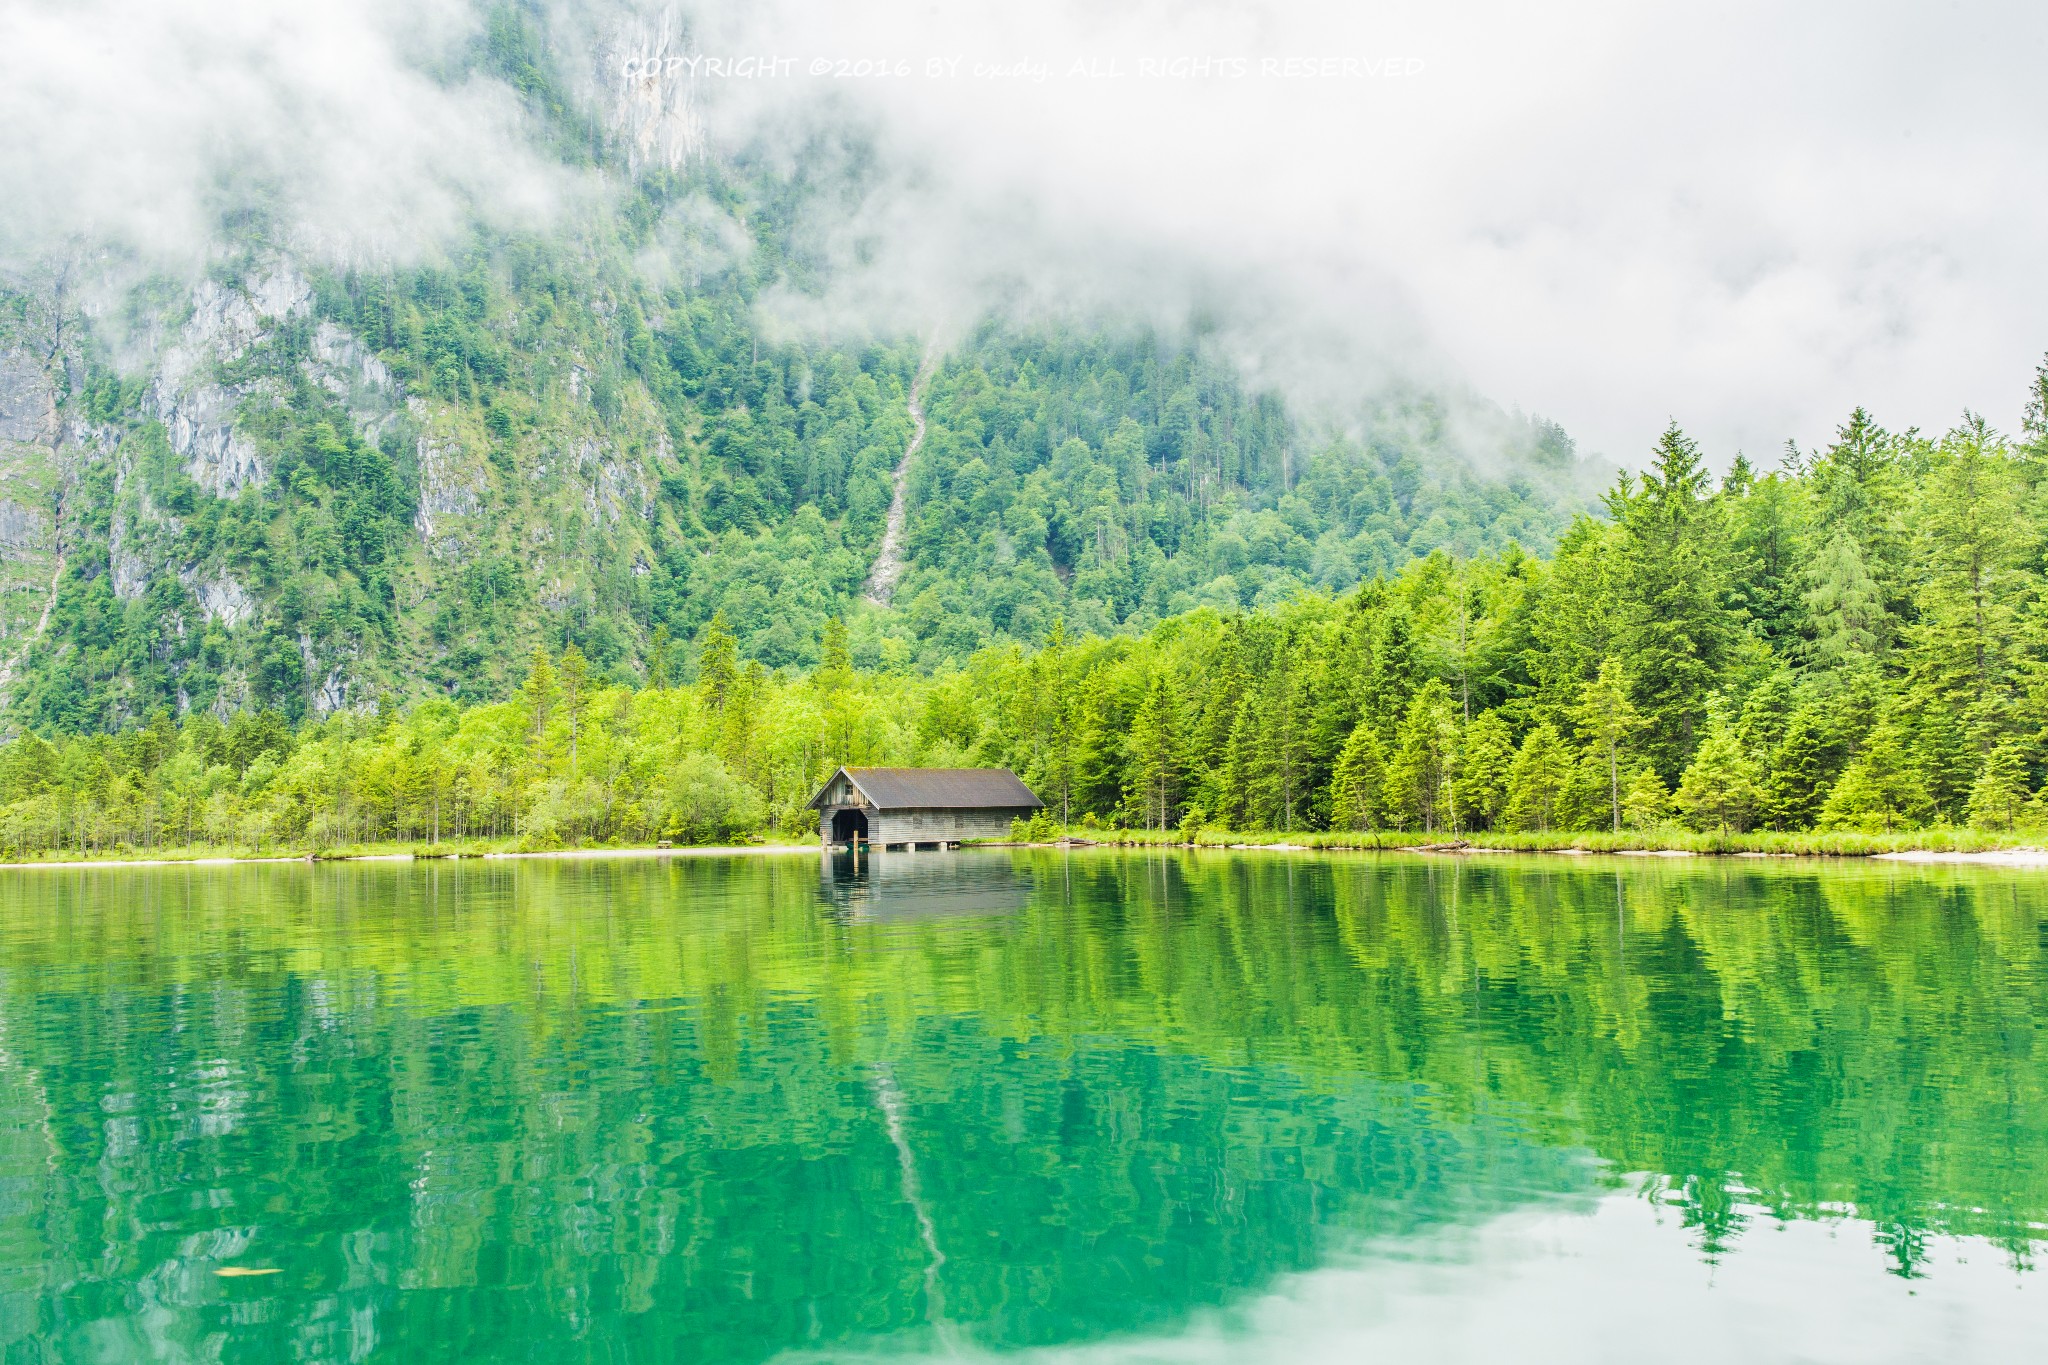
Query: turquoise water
(1131,1107)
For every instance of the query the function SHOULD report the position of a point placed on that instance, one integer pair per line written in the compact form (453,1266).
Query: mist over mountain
(351,352)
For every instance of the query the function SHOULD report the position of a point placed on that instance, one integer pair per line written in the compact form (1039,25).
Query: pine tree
(1211,748)
(1240,769)
(1673,629)
(1100,749)
(1395,672)
(1057,707)
(1858,485)
(538,694)
(718,668)
(1844,606)
(1718,790)
(1768,533)
(1740,478)
(1606,718)
(835,656)
(574,681)
(1424,771)
(1488,756)
(738,735)
(1358,791)
(1537,783)
(1588,794)
(2000,793)
(1766,713)
(1878,790)
(1573,614)
(1645,800)
(1157,764)
(2034,420)
(1284,756)
(660,650)
(1798,774)
(1329,711)
(1944,762)
(1971,534)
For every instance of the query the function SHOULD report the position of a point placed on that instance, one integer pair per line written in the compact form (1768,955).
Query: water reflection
(881,887)
(1003,1102)
(1548,1286)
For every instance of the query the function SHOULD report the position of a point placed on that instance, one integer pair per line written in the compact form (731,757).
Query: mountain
(304,485)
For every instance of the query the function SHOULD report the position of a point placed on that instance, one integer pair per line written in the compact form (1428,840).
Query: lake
(1087,1106)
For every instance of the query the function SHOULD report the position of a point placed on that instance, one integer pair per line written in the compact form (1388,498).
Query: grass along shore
(1940,843)
(1666,840)
(392,851)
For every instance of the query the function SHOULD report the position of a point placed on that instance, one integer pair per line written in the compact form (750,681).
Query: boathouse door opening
(847,823)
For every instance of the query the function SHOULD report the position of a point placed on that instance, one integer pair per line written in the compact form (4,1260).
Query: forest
(1854,640)
(560,443)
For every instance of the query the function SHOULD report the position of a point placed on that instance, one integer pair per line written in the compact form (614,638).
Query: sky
(1747,218)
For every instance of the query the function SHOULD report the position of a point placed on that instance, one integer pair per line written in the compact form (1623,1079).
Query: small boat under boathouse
(920,807)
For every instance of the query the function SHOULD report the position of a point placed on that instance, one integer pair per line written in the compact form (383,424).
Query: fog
(1748,219)
(132,124)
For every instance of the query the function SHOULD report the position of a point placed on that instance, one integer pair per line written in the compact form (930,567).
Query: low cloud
(1749,219)
(135,125)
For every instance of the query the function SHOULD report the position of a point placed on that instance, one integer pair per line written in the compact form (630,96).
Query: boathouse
(920,807)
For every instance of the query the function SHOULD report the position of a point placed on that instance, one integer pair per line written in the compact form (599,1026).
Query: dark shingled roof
(937,788)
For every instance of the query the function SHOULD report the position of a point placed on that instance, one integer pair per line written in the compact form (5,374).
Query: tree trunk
(1614,784)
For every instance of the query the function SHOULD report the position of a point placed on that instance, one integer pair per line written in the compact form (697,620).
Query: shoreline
(694,851)
(1940,845)
(2017,857)
(2012,856)
(1997,857)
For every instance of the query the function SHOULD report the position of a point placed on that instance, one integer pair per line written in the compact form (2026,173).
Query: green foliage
(1672,619)
(1485,768)
(1114,482)
(1130,574)
(1719,787)
(718,665)
(1358,795)
(705,803)
(1157,769)
(1537,783)
(1422,777)
(1835,645)
(1880,790)
(1607,719)
(2000,793)
(592,437)
(1645,800)
(1799,772)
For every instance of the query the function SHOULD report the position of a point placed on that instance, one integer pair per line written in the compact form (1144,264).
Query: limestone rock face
(451,486)
(351,371)
(612,489)
(105,415)
(196,407)
(31,477)
(28,400)
(200,424)
(646,72)
(331,695)
(128,569)
(22,528)
(224,600)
